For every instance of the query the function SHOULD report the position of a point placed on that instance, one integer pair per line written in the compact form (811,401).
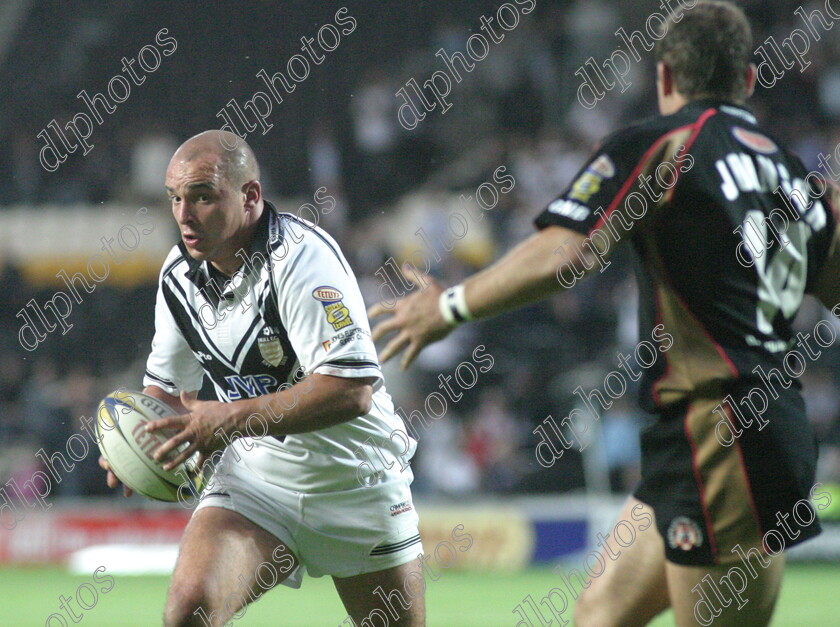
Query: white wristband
(453,306)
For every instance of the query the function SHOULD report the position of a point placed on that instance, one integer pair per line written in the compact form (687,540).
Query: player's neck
(236,253)
(672,102)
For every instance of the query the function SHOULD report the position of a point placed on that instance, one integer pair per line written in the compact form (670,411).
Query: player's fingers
(171,422)
(103,463)
(111,480)
(393,347)
(181,457)
(412,275)
(379,309)
(127,491)
(411,352)
(384,328)
(164,449)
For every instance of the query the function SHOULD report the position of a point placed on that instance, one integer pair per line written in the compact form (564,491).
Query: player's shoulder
(173,260)
(644,133)
(736,127)
(296,243)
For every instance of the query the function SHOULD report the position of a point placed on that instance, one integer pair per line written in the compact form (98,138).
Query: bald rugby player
(263,307)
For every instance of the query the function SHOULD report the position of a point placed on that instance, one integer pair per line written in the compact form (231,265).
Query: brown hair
(708,50)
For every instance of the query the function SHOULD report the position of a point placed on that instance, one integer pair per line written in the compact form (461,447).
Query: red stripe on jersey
(697,126)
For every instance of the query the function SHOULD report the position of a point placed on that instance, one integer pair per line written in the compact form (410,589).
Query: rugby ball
(120,422)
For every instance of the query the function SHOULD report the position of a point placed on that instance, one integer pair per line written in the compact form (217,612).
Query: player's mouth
(191,240)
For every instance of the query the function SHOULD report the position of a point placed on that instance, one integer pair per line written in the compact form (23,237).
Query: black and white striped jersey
(293,309)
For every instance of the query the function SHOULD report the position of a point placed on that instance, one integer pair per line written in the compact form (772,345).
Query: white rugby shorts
(342,533)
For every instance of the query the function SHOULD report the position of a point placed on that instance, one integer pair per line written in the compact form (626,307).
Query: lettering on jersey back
(744,173)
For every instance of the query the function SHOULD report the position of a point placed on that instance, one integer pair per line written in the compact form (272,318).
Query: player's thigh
(225,561)
(725,596)
(396,594)
(632,589)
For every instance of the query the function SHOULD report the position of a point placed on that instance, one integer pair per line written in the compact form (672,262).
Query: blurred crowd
(395,192)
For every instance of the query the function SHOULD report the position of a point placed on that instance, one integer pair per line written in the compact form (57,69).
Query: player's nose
(182,211)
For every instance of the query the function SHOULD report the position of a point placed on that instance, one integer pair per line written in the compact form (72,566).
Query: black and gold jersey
(731,231)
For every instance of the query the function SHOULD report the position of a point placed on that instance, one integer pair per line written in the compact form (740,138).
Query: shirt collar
(726,106)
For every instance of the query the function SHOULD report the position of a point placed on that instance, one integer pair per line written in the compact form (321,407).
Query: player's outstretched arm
(526,274)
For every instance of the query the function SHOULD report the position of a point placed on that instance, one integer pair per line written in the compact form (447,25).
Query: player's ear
(751,74)
(252,191)
(664,78)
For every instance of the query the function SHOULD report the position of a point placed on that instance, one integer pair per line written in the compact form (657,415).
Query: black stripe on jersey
(186,316)
(385,549)
(352,363)
(166,382)
(314,230)
(247,338)
(268,289)
(171,267)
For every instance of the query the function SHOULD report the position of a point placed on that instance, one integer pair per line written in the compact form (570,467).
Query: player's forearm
(173,401)
(526,274)
(317,402)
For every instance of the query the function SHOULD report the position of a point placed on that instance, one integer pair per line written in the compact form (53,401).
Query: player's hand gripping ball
(128,448)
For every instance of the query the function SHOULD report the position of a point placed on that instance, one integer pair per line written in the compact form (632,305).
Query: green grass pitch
(810,597)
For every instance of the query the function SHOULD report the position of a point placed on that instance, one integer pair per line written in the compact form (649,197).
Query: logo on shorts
(684,533)
(401,508)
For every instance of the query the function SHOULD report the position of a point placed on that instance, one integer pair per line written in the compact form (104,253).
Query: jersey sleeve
(171,365)
(623,184)
(322,309)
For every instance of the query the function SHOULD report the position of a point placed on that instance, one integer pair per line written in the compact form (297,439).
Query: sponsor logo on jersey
(603,166)
(585,186)
(570,209)
(337,313)
(202,356)
(345,337)
(684,533)
(327,294)
(270,347)
(754,141)
(401,508)
(250,386)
